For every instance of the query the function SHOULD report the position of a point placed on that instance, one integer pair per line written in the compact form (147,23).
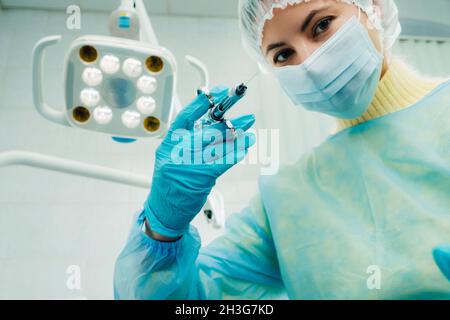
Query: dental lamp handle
(201,68)
(43,109)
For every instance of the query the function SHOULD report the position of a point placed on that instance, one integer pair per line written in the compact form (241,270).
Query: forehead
(284,19)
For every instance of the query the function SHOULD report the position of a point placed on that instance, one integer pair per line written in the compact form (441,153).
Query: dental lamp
(113,84)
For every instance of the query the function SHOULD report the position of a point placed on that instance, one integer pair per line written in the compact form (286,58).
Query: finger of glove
(219,93)
(227,165)
(230,151)
(197,108)
(191,113)
(193,143)
(219,132)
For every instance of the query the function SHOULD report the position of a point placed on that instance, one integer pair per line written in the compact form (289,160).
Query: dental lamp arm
(148,35)
(76,168)
(147,32)
(51,163)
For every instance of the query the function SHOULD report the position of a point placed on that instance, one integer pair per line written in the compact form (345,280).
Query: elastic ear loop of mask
(373,24)
(381,37)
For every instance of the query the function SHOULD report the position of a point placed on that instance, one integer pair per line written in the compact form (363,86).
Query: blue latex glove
(180,190)
(442,257)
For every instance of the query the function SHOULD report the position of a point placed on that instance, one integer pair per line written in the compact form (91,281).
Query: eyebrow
(274,46)
(311,16)
(305,25)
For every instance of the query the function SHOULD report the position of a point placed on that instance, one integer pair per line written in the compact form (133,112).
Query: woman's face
(294,33)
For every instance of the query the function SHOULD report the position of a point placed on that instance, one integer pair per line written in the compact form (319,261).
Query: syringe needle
(252,77)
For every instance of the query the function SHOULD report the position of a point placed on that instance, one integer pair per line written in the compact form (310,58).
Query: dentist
(374,196)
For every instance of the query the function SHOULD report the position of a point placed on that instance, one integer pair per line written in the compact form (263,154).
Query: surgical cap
(253,14)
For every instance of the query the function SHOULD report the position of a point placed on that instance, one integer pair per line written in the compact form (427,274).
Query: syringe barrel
(226,104)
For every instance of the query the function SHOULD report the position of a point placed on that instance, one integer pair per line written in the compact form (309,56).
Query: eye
(322,26)
(282,56)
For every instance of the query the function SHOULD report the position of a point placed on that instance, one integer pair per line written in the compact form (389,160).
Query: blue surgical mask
(340,78)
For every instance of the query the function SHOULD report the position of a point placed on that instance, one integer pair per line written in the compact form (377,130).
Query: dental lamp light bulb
(103,114)
(110,64)
(132,67)
(92,76)
(90,97)
(146,105)
(147,84)
(131,119)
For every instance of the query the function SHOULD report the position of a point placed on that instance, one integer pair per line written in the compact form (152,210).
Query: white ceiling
(218,8)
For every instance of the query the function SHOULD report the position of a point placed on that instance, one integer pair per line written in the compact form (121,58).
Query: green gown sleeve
(241,264)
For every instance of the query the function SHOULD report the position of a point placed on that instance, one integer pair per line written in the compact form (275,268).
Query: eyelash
(329,19)
(315,34)
(278,54)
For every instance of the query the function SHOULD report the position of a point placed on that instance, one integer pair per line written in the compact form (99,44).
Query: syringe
(217,113)
(217,110)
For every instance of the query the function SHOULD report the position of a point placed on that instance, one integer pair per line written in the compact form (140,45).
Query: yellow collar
(400,87)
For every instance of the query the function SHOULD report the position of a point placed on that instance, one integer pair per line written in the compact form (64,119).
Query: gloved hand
(188,163)
(442,257)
